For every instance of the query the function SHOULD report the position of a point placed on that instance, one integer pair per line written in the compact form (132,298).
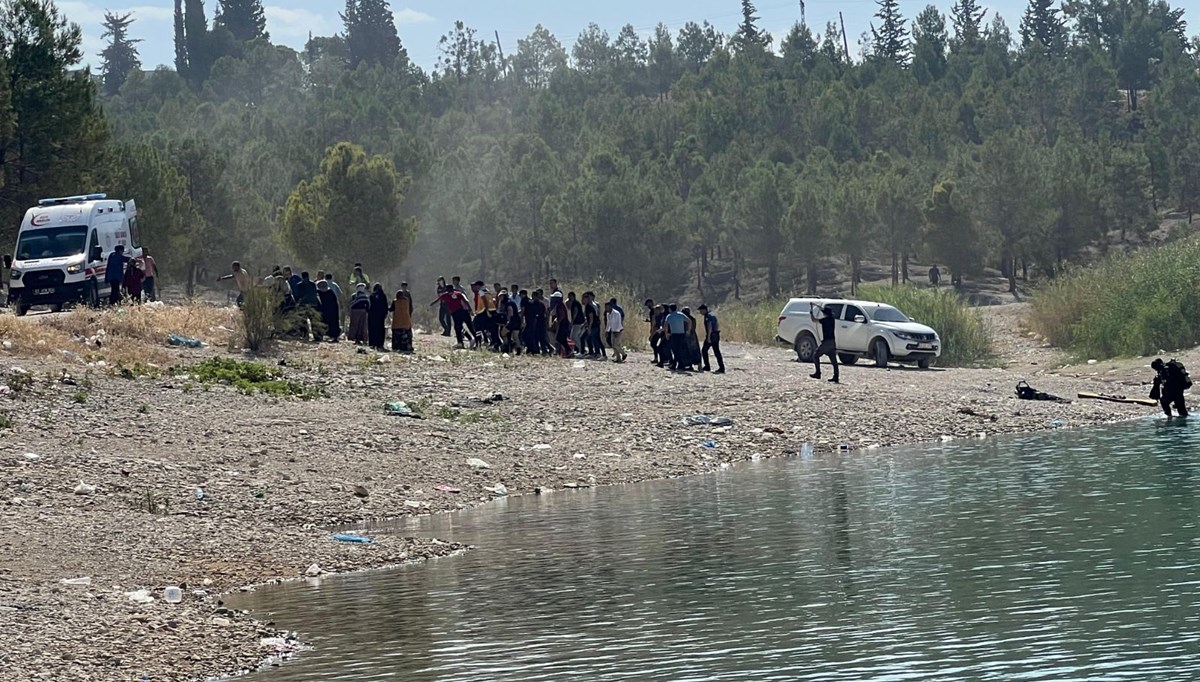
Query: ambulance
(62,249)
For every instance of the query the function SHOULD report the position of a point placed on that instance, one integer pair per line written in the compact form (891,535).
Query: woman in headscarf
(331,311)
(377,313)
(360,302)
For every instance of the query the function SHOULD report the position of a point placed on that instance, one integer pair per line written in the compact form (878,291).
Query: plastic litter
(442,487)
(476,463)
(705,420)
(172,595)
(399,408)
(806,451)
(313,571)
(541,446)
(200,494)
(1058,423)
(580,364)
(358,539)
(77,581)
(32,457)
(709,444)
(184,341)
(498,490)
(140,597)
(85,489)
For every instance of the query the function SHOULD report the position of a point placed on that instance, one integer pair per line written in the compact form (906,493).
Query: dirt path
(272,473)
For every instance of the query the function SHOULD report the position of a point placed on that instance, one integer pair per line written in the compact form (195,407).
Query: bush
(965,341)
(250,378)
(1128,305)
(750,323)
(260,318)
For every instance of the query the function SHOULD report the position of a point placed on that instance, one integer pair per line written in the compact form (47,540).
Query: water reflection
(1067,556)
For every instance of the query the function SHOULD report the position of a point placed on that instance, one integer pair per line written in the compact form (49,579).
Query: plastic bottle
(173,595)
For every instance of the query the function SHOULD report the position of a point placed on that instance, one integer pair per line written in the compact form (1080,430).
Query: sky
(422,22)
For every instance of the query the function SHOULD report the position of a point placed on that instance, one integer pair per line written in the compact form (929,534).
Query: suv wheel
(805,347)
(847,359)
(924,363)
(881,353)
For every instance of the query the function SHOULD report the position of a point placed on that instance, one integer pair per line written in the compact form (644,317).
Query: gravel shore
(141,483)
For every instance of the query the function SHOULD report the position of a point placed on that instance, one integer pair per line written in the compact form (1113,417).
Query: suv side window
(853,311)
(837,310)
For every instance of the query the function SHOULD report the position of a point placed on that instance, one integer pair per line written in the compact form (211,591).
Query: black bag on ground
(1027,392)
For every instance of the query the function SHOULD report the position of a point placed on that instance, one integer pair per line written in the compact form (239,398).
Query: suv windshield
(889,314)
(51,242)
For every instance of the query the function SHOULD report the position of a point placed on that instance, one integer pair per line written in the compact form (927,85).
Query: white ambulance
(62,249)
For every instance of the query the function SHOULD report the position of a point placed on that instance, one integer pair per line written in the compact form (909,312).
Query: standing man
(242,279)
(712,340)
(460,313)
(359,277)
(828,345)
(675,325)
(935,276)
(594,323)
(485,309)
(614,325)
(337,291)
(562,324)
(151,276)
(114,273)
(575,312)
(1170,381)
(444,317)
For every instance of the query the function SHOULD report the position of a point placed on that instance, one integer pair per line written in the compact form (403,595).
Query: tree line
(662,160)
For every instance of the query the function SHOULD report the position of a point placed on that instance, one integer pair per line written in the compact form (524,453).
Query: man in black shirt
(828,345)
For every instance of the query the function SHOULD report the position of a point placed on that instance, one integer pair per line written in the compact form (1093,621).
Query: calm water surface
(1066,556)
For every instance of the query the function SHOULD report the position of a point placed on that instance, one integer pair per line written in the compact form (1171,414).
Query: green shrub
(250,378)
(260,318)
(750,322)
(965,341)
(1127,305)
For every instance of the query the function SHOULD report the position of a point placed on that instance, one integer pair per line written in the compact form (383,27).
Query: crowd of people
(130,279)
(504,319)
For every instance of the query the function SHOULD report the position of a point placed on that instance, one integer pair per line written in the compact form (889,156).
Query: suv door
(854,335)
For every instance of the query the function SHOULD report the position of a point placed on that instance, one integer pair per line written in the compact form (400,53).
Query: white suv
(865,329)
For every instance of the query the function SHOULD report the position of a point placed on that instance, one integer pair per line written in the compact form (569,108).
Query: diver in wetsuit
(1170,381)
(828,344)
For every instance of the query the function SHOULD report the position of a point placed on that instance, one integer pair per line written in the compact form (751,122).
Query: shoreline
(278,473)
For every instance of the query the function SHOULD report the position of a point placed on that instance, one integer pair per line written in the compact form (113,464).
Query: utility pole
(501,49)
(845,42)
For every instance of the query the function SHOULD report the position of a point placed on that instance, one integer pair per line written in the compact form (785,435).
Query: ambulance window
(91,245)
(135,240)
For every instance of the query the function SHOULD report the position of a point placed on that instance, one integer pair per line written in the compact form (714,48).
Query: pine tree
(891,40)
(371,35)
(181,55)
(748,34)
(967,17)
(1043,26)
(121,55)
(244,19)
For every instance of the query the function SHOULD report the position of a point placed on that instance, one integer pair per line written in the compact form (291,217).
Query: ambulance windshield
(51,242)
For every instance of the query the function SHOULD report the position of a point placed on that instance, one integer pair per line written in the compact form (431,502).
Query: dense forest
(658,161)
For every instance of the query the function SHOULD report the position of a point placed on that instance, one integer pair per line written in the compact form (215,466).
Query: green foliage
(19,382)
(79,397)
(250,378)
(261,318)
(244,19)
(351,189)
(120,56)
(965,341)
(750,322)
(371,36)
(1125,306)
(6,421)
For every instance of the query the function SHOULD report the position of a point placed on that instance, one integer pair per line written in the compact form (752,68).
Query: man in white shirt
(614,324)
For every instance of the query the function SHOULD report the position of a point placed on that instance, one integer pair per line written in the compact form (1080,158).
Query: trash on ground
(580,364)
(498,490)
(359,539)
(140,597)
(313,571)
(494,398)
(971,412)
(184,341)
(710,444)
(361,492)
(476,463)
(77,581)
(442,487)
(541,446)
(85,489)
(172,595)
(705,420)
(773,429)
(399,408)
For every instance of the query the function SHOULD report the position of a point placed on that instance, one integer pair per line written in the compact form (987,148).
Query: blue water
(1064,556)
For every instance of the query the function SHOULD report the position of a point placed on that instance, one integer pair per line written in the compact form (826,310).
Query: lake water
(1064,556)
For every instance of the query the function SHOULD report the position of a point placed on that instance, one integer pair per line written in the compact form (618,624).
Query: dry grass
(127,335)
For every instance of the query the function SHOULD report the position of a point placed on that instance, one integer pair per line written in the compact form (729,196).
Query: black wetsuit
(828,346)
(1169,385)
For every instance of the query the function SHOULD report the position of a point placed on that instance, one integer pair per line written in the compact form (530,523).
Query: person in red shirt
(134,274)
(460,312)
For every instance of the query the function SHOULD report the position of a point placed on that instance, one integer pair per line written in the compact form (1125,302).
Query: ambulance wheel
(21,309)
(56,308)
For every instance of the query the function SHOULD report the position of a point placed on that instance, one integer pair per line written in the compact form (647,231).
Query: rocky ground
(139,482)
